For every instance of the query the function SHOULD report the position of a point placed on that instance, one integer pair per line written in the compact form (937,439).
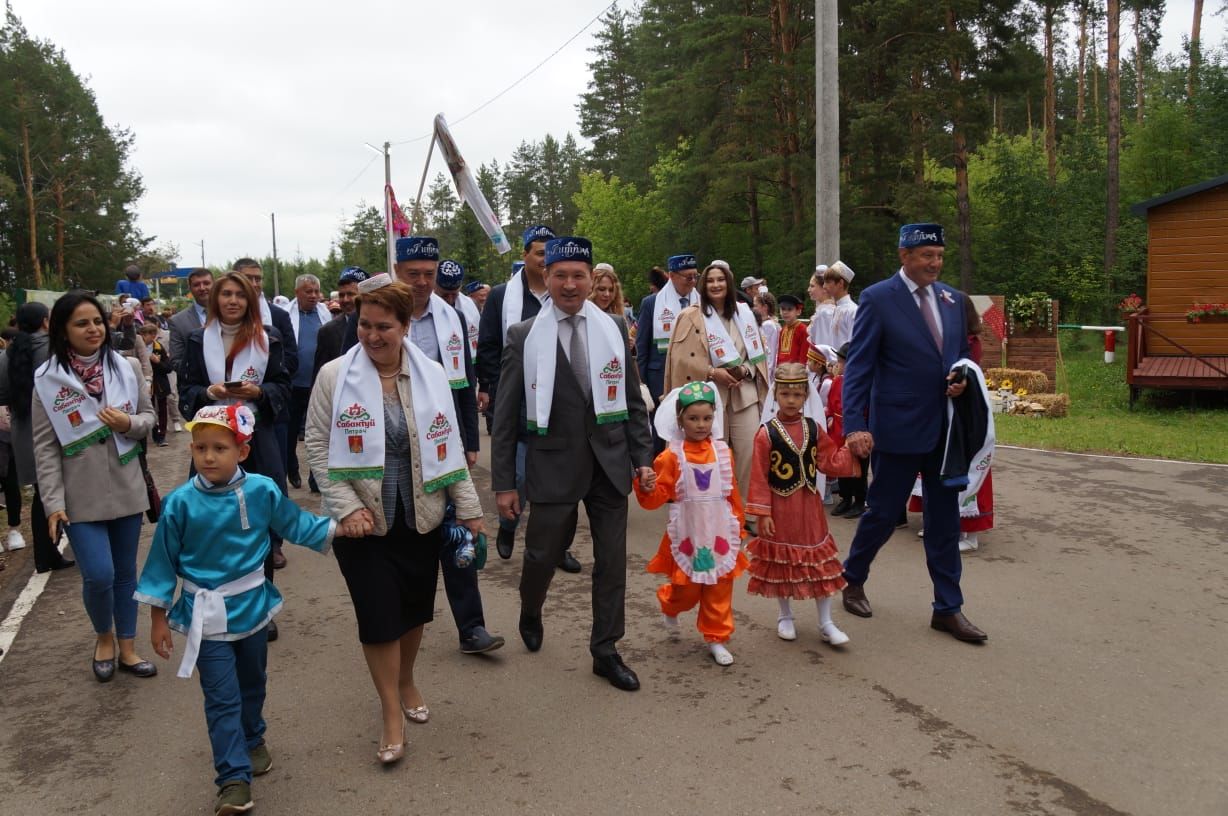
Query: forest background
(998,119)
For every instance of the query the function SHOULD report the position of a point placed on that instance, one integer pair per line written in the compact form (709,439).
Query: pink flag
(400,225)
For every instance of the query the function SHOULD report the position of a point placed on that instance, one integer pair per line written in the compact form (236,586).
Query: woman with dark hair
(719,340)
(28,350)
(384,441)
(235,358)
(90,411)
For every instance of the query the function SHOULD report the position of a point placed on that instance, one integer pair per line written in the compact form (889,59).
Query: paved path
(1101,690)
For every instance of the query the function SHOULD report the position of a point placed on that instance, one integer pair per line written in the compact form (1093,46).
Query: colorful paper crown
(697,392)
(238,419)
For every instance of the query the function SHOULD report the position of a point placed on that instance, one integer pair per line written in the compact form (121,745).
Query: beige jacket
(688,360)
(93,485)
(344,497)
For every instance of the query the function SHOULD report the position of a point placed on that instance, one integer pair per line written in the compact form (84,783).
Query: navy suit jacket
(649,361)
(895,373)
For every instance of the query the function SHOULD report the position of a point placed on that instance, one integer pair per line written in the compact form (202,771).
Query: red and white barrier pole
(1110,337)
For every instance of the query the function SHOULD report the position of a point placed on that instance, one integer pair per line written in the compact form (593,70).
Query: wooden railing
(1141,323)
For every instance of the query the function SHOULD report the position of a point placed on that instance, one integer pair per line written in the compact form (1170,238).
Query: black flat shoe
(140,669)
(104,670)
(569,563)
(531,631)
(272,631)
(505,542)
(843,507)
(295,481)
(63,563)
(612,668)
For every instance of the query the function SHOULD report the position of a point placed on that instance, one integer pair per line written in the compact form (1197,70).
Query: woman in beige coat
(389,537)
(90,411)
(742,385)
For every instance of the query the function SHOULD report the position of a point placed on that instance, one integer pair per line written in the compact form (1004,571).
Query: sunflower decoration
(1007,385)
(991,384)
(1022,392)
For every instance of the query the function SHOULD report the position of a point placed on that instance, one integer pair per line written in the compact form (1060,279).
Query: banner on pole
(400,224)
(467,187)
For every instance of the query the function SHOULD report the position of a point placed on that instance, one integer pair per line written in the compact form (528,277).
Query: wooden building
(1187,263)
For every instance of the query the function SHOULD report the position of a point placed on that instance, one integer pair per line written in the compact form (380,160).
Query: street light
(201,244)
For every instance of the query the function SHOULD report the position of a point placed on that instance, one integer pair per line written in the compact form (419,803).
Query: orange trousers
(715,602)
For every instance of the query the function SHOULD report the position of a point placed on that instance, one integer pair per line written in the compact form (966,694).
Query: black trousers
(299,397)
(45,554)
(550,531)
(854,487)
(12,493)
(461,587)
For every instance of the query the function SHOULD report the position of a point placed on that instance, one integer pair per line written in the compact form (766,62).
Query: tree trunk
(1095,84)
(963,205)
(1114,143)
(1081,100)
(917,129)
(31,207)
(1139,64)
(57,190)
(1195,50)
(1050,95)
(756,231)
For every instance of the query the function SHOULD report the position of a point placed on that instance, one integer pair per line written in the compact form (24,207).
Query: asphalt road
(1101,690)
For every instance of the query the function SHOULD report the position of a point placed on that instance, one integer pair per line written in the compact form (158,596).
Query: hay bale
(1054,405)
(1034,382)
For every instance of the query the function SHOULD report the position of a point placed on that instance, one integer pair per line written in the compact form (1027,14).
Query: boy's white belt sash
(209,613)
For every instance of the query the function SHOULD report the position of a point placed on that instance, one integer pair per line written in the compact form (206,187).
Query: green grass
(1163,424)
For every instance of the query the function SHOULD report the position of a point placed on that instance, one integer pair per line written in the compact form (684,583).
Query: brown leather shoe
(856,602)
(959,627)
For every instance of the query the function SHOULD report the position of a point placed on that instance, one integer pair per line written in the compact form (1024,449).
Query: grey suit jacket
(182,324)
(558,466)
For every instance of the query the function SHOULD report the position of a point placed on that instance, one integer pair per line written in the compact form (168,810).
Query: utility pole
(392,239)
(276,273)
(827,132)
(201,244)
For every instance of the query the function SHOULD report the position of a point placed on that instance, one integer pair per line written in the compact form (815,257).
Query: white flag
(467,188)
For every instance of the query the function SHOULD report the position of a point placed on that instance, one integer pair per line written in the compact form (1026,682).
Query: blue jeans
(232,677)
(522,449)
(106,556)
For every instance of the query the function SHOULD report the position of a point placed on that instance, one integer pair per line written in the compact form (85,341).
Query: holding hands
(357,524)
(860,443)
(647,477)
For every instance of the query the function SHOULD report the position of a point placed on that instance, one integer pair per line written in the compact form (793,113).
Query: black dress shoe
(857,510)
(505,542)
(843,507)
(480,641)
(272,631)
(612,668)
(856,602)
(569,563)
(959,627)
(104,670)
(279,560)
(63,563)
(531,631)
(312,484)
(295,480)
(142,668)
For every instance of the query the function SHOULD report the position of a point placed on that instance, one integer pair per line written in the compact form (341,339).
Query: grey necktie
(578,355)
(927,314)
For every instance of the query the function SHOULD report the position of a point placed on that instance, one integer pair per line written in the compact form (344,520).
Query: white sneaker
(178,428)
(671,625)
(720,654)
(15,541)
(830,633)
(921,533)
(785,630)
(968,542)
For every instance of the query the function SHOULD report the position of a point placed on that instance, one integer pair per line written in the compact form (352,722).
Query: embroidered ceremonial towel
(451,340)
(356,438)
(249,364)
(74,414)
(513,303)
(665,311)
(607,366)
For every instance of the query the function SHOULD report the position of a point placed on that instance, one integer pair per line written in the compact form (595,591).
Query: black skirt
(391,579)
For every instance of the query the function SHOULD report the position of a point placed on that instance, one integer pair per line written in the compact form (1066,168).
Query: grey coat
(23,438)
(93,485)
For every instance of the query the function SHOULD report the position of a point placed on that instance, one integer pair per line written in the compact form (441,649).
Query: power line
(528,74)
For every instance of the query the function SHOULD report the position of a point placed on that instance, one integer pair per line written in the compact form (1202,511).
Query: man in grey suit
(186,321)
(576,459)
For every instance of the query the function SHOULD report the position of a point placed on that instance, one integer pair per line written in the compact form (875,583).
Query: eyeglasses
(694,276)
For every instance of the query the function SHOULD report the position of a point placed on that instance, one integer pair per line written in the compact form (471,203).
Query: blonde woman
(607,291)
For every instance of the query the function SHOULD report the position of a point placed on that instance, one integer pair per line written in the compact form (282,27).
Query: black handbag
(151,489)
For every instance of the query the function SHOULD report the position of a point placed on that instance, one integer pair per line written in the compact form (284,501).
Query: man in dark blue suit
(652,336)
(909,332)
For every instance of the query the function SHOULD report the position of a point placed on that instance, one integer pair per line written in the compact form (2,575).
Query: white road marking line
(22,607)
(1111,456)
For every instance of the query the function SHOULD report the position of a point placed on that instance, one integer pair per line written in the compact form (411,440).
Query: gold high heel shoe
(388,754)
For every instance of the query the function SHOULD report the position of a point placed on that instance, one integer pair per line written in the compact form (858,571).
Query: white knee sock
(824,605)
(786,611)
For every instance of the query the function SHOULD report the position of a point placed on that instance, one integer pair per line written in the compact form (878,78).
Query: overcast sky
(241,109)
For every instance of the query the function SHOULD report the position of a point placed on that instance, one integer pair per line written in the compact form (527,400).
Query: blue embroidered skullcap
(417,248)
(569,248)
(540,232)
(517,266)
(677,263)
(449,275)
(471,287)
(915,235)
(352,274)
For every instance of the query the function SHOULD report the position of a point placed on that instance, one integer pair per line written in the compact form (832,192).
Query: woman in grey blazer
(90,411)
